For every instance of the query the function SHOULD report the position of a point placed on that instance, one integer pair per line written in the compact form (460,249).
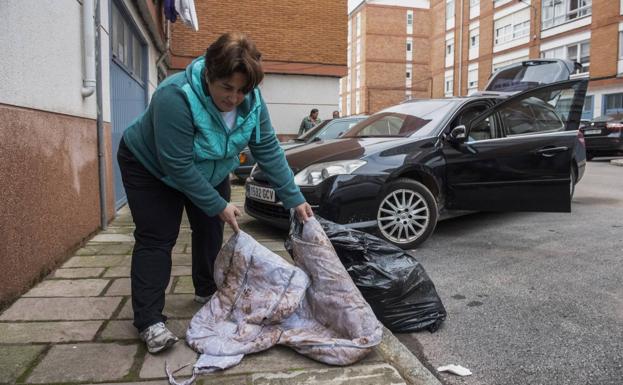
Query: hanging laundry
(186,11)
(169,10)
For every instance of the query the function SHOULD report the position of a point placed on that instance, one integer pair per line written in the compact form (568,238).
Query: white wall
(291,97)
(42,56)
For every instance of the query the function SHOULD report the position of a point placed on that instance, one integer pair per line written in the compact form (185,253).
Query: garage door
(128,69)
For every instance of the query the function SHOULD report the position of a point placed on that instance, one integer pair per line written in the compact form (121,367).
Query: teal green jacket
(182,139)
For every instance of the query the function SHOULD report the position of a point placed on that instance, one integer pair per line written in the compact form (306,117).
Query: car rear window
(523,77)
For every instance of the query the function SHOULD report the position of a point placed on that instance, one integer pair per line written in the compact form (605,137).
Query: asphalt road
(532,298)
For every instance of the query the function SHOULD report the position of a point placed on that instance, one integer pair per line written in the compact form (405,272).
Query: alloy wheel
(403,216)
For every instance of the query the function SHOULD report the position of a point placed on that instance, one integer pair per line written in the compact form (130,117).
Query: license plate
(261,193)
(592,132)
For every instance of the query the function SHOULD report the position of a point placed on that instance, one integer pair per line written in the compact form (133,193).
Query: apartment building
(451,47)
(303,45)
(481,36)
(388,54)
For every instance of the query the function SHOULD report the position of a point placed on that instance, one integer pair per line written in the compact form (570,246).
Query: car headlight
(316,173)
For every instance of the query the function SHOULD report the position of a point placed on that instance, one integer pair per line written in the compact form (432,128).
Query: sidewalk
(75,326)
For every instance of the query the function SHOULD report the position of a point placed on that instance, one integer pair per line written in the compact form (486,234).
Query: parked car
(327,129)
(604,136)
(399,171)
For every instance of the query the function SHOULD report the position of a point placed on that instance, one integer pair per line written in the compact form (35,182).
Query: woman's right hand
(229,214)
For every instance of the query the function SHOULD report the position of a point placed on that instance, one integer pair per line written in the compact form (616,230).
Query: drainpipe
(101,159)
(88,44)
(461,47)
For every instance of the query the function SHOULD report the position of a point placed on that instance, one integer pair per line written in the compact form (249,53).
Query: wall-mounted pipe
(101,147)
(88,44)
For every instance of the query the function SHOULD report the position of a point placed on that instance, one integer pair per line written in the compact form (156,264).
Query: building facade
(60,114)
(303,45)
(458,44)
(481,36)
(388,54)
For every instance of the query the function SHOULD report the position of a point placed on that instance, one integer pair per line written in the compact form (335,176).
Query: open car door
(518,155)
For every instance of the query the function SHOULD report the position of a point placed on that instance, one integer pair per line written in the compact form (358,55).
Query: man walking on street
(309,121)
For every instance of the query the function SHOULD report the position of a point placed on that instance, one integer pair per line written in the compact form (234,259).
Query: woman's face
(227,93)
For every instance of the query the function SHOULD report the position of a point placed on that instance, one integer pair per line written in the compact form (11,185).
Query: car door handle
(551,151)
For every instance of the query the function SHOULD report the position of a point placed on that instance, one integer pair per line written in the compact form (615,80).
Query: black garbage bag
(394,283)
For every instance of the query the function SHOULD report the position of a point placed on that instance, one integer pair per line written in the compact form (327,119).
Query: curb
(617,162)
(407,364)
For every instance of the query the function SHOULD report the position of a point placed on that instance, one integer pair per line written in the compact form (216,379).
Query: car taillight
(581,138)
(242,157)
(614,127)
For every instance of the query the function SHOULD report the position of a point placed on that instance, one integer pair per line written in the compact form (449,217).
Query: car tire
(573,176)
(407,213)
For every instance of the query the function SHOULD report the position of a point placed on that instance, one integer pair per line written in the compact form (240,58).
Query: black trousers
(157,212)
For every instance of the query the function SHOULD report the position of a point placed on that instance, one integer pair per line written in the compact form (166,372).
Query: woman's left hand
(304,212)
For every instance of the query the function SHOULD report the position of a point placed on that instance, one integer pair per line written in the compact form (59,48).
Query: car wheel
(573,180)
(407,214)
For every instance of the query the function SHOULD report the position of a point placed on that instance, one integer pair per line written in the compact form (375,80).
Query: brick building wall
(383,62)
(294,36)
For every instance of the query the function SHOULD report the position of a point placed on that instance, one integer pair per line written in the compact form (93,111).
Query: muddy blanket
(262,300)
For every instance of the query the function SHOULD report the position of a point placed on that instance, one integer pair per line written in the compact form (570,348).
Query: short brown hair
(234,52)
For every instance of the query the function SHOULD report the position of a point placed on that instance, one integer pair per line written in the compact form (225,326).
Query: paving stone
(119,229)
(112,238)
(53,309)
(161,382)
(118,271)
(126,311)
(181,305)
(177,356)
(180,247)
(184,285)
(84,362)
(182,260)
(14,360)
(220,379)
(29,332)
(68,288)
(78,272)
(120,286)
(119,330)
(358,374)
(275,359)
(95,261)
(114,249)
(89,250)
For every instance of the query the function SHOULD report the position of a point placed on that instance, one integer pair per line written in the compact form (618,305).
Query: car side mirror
(458,134)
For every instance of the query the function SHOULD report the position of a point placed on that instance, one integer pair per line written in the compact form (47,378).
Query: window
(348,104)
(544,111)
(512,27)
(350,30)
(449,86)
(474,35)
(474,8)
(613,104)
(556,12)
(580,52)
(450,52)
(127,49)
(473,2)
(358,24)
(501,64)
(449,14)
(358,51)
(587,110)
(472,80)
(408,47)
(408,75)
(358,76)
(357,102)
(621,45)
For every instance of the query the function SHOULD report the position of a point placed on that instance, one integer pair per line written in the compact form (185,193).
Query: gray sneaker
(201,299)
(158,338)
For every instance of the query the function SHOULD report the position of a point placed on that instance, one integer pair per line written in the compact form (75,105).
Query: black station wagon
(513,147)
